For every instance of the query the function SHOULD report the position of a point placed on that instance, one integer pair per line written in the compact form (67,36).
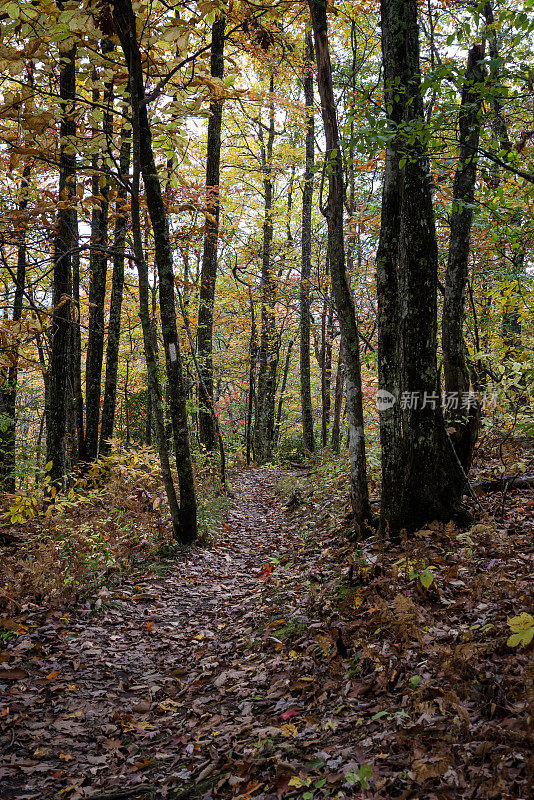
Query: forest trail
(161,682)
(260,667)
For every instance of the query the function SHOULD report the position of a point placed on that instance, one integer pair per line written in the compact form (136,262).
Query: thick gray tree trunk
(421,478)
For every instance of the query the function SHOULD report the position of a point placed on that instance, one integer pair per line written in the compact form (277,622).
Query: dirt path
(157,686)
(262,668)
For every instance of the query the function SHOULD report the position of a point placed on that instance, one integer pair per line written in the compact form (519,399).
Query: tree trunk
(359,492)
(268,355)
(98,265)
(421,478)
(282,393)
(76,357)
(208,277)
(338,400)
(307,201)
(154,386)
(64,243)
(125,22)
(511,320)
(117,286)
(464,423)
(8,391)
(326,369)
(253,351)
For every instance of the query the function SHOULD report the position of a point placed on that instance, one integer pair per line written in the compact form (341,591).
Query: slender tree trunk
(282,393)
(8,391)
(125,22)
(421,478)
(326,369)
(268,355)
(127,402)
(253,352)
(307,201)
(65,242)
(208,277)
(98,265)
(338,400)
(463,423)
(359,491)
(76,357)
(117,287)
(511,317)
(511,322)
(154,386)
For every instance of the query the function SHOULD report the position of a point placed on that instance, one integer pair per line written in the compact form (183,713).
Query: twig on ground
(144,789)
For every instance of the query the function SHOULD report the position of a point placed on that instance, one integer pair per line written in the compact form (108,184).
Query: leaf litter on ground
(282,661)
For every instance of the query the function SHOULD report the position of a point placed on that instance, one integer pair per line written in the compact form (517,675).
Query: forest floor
(281,661)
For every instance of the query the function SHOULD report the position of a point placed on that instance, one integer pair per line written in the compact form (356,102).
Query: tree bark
(125,22)
(421,478)
(326,368)
(64,243)
(76,358)
(151,359)
(117,287)
(208,277)
(307,201)
(98,265)
(268,353)
(359,492)
(253,352)
(8,391)
(463,424)
(338,400)
(282,393)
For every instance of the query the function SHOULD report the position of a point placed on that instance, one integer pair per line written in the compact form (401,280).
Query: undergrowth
(111,519)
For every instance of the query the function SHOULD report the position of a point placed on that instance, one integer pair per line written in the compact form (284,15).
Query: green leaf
(379,715)
(426,578)
(414,681)
(365,772)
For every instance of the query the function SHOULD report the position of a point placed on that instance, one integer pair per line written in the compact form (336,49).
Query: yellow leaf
(296,782)
(521,623)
